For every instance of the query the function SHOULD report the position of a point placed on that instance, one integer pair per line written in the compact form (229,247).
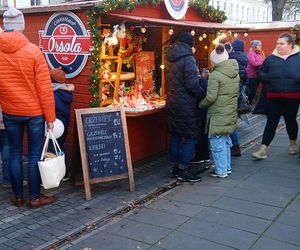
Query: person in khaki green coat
(221,100)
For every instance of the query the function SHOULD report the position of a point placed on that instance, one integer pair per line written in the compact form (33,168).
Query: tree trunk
(277,9)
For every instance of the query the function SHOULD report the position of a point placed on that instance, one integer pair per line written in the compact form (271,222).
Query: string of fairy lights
(207,12)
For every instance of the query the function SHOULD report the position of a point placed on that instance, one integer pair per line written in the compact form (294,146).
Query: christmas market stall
(115,52)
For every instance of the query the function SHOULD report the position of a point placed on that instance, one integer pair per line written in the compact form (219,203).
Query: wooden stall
(147,130)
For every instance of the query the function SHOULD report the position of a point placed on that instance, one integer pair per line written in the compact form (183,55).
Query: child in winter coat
(63,94)
(221,100)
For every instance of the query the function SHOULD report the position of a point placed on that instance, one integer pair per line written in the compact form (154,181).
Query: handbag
(52,166)
(244,106)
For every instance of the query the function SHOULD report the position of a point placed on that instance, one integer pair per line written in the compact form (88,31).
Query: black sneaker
(175,171)
(196,161)
(186,175)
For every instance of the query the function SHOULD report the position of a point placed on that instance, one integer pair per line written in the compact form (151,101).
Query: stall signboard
(177,8)
(104,146)
(65,41)
(144,67)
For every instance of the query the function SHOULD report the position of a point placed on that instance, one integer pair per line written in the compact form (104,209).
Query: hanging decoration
(131,47)
(208,12)
(95,12)
(143,29)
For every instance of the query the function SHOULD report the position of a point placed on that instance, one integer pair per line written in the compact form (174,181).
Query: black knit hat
(187,38)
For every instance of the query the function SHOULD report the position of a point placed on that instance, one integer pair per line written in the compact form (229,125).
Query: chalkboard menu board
(104,146)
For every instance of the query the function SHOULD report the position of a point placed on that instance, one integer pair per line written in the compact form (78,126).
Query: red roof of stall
(150,20)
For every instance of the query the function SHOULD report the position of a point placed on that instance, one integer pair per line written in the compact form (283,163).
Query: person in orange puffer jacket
(27,100)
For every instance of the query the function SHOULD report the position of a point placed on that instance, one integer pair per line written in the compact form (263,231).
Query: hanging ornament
(171,31)
(162,67)
(114,40)
(193,32)
(204,35)
(200,38)
(143,29)
(245,34)
(236,35)
(122,31)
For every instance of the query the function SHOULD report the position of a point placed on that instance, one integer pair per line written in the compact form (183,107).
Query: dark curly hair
(220,48)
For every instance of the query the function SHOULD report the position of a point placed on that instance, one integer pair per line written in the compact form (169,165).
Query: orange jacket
(25,85)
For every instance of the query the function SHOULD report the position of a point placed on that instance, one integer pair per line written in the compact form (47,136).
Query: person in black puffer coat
(237,53)
(183,94)
(280,73)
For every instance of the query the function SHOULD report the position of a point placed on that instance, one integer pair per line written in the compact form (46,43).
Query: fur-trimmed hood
(294,51)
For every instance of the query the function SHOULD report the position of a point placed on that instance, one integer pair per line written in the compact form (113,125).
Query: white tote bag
(52,170)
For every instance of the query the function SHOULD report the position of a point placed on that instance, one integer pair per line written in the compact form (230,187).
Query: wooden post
(83,153)
(164,38)
(128,154)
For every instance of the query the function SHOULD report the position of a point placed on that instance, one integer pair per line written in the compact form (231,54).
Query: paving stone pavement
(257,207)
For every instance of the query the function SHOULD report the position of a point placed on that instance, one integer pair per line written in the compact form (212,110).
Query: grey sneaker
(214,174)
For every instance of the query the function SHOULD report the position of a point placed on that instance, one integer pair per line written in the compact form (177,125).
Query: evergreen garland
(95,12)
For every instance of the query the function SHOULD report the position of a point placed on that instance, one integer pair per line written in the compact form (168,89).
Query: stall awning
(182,23)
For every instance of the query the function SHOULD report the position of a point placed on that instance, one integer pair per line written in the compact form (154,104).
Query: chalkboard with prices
(104,146)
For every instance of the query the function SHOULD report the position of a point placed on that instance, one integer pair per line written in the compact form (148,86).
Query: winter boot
(293,148)
(235,150)
(261,154)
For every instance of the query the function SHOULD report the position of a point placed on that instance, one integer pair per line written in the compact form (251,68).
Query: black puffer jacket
(183,91)
(281,76)
(239,54)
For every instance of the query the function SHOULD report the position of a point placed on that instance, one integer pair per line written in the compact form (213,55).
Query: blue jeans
(182,150)
(235,137)
(220,149)
(4,150)
(35,126)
